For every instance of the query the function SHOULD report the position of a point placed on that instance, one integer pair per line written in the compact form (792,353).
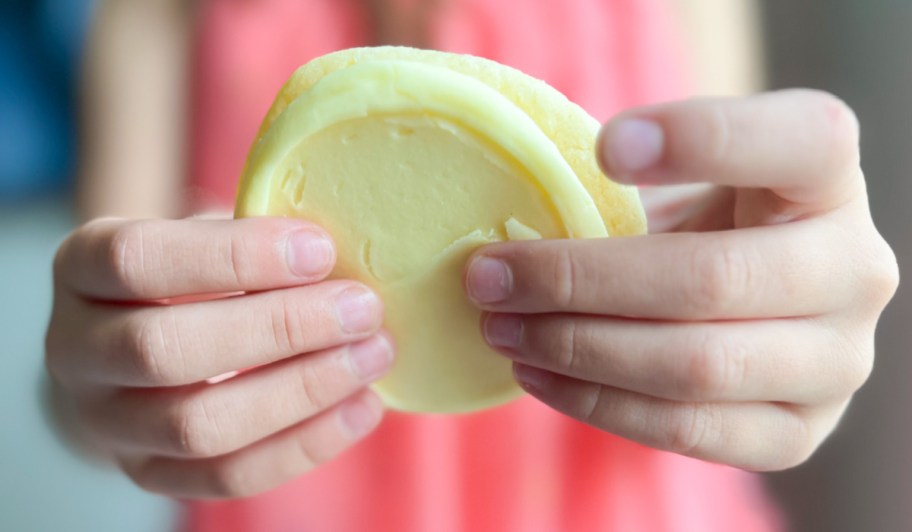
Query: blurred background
(860,479)
(42,486)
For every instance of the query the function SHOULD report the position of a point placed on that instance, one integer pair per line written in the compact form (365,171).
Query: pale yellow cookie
(411,159)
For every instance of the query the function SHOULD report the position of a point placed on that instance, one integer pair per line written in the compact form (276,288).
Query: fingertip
(532,379)
(371,359)
(388,338)
(362,414)
(359,309)
(628,146)
(373,402)
(503,331)
(310,253)
(488,280)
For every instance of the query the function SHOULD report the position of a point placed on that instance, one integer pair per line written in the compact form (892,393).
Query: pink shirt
(521,467)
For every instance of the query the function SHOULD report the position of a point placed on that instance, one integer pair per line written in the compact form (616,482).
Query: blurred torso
(521,466)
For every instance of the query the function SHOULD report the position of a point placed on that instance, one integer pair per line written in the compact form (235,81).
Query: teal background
(43,486)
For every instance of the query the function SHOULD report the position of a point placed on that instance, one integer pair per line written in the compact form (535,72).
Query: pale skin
(737,332)
(738,335)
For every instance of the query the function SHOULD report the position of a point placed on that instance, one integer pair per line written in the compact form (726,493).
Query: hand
(741,337)
(147,315)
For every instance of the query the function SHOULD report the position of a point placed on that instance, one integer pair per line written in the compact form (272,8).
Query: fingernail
(532,378)
(633,145)
(489,280)
(503,330)
(309,253)
(358,310)
(359,417)
(371,359)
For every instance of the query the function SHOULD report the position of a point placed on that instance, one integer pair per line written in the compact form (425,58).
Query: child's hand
(739,342)
(146,311)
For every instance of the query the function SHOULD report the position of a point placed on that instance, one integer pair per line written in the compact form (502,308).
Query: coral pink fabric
(520,467)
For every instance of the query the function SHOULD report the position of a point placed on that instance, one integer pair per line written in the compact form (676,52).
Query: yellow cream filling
(411,167)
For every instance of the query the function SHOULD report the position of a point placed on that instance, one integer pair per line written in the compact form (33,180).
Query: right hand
(147,313)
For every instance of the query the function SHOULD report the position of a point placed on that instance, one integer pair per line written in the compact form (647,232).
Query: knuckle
(721,275)
(568,343)
(798,446)
(714,369)
(775,446)
(309,455)
(142,475)
(228,480)
(718,135)
(883,279)
(238,261)
(308,381)
(148,342)
(83,236)
(690,428)
(54,352)
(799,456)
(187,432)
(125,257)
(591,404)
(565,283)
(858,367)
(61,262)
(288,328)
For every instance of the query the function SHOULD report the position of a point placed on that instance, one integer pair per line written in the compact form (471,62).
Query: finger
(795,361)
(752,273)
(210,420)
(669,208)
(183,344)
(801,144)
(754,436)
(267,463)
(116,259)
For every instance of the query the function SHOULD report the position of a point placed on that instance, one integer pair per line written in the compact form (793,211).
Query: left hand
(740,335)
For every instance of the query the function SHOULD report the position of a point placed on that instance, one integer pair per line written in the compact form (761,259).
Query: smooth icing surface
(411,167)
